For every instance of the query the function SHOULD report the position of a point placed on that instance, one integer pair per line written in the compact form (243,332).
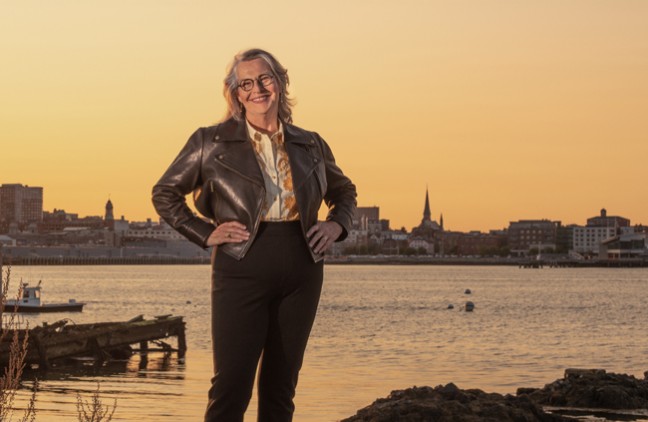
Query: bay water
(379,328)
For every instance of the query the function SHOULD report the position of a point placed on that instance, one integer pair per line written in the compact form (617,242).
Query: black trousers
(263,307)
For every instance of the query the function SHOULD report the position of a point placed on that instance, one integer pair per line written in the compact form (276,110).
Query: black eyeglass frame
(263,80)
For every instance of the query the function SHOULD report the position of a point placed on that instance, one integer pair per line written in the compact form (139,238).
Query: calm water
(379,328)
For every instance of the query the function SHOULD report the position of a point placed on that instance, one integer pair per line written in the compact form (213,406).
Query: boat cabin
(31,295)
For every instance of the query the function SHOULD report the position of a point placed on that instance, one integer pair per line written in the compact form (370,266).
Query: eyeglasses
(262,80)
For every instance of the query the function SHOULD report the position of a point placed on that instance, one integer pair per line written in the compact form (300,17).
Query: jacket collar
(295,135)
(244,162)
(233,130)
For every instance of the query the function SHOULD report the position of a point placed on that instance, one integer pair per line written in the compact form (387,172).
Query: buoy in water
(467,291)
(450,306)
(469,306)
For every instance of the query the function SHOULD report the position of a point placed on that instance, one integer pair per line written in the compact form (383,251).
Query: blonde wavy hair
(230,85)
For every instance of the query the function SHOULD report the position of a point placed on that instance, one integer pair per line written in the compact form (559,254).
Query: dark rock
(524,390)
(579,388)
(592,388)
(452,404)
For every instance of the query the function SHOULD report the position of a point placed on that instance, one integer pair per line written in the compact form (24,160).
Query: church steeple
(109,212)
(427,214)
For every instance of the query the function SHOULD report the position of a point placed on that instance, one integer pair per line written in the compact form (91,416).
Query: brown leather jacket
(218,164)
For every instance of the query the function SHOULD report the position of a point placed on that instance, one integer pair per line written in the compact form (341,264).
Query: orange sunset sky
(505,109)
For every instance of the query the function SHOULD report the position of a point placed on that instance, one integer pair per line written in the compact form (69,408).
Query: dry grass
(12,373)
(94,410)
(87,411)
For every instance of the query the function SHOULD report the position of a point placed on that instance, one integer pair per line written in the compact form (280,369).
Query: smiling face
(261,103)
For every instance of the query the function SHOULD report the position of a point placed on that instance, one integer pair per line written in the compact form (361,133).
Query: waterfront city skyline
(108,208)
(505,110)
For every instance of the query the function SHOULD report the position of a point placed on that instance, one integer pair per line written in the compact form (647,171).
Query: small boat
(31,302)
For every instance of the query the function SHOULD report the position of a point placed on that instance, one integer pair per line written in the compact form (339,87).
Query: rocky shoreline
(582,394)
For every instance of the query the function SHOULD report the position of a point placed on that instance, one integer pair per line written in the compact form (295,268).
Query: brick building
(524,235)
(20,205)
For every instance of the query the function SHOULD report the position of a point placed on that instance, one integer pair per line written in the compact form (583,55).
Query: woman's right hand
(230,232)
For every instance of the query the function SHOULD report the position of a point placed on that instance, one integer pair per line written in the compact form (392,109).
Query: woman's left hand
(323,234)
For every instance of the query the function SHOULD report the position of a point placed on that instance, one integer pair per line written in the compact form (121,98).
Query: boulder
(591,388)
(449,403)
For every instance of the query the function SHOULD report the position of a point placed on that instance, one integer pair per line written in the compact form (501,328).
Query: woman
(261,181)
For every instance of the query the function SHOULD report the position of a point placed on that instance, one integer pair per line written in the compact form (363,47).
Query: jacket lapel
(303,159)
(237,153)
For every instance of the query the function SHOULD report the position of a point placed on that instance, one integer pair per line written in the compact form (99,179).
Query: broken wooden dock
(102,340)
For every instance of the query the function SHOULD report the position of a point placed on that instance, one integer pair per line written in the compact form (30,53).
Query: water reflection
(156,365)
(134,384)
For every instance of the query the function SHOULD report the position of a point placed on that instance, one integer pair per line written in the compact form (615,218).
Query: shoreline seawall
(35,259)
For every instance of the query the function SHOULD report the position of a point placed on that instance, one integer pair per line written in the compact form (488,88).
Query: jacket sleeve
(180,179)
(340,195)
